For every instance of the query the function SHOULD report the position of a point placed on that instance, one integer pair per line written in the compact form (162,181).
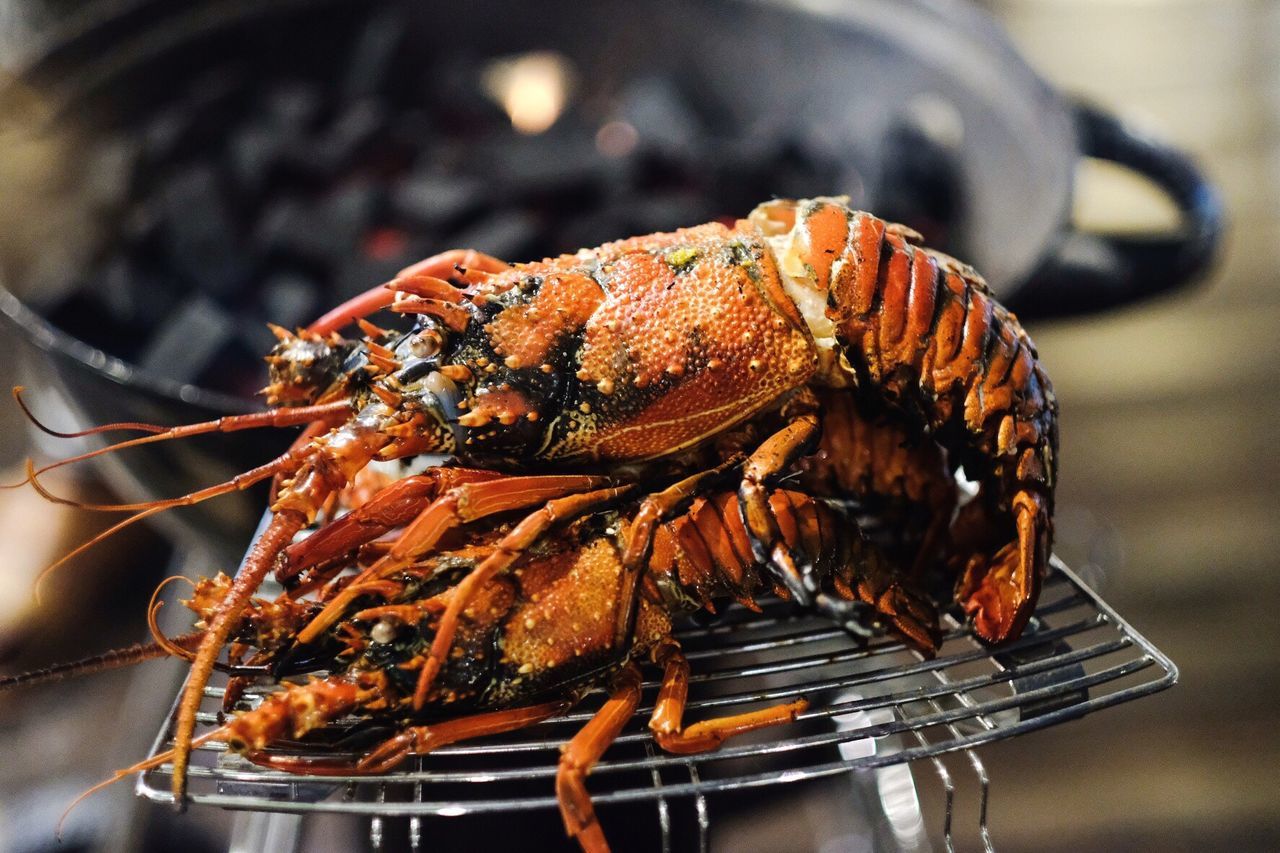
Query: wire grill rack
(870,706)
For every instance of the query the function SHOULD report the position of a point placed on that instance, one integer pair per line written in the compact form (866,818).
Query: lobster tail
(921,332)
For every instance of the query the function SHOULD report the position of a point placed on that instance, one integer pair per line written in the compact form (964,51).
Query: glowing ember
(533,88)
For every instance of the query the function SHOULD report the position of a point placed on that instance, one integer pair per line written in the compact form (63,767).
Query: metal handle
(1088,272)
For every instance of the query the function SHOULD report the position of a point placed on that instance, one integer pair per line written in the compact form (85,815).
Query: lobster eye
(426,343)
(382,633)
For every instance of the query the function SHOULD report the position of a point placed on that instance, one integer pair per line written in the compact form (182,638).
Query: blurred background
(175,175)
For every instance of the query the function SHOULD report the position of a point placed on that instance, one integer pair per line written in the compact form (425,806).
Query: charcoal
(328,186)
(802,171)
(109,169)
(668,212)
(509,234)
(253,151)
(354,130)
(188,340)
(119,291)
(352,210)
(203,110)
(294,107)
(294,231)
(200,233)
(739,173)
(235,368)
(322,233)
(414,129)
(661,115)
(139,294)
(254,335)
(436,201)
(453,94)
(549,163)
(281,139)
(290,299)
(139,225)
(162,133)
(373,55)
(590,228)
(632,214)
(357,272)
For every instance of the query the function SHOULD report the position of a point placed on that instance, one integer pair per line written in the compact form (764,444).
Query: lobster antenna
(153,607)
(18,391)
(236,483)
(372,300)
(269,418)
(147,764)
(80,549)
(114,659)
(242,481)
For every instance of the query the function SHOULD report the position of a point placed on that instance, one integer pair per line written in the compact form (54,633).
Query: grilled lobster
(639,355)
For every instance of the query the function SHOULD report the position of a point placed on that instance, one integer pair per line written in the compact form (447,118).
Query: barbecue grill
(872,706)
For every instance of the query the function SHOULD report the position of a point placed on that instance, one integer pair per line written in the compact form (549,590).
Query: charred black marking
(1003,379)
(887,251)
(990,340)
(942,297)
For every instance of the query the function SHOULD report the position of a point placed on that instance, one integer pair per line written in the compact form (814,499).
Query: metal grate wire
(870,707)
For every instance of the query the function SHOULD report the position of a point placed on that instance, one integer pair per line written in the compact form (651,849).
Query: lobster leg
(770,459)
(507,551)
(768,547)
(653,510)
(284,525)
(858,568)
(465,503)
(396,504)
(580,754)
(877,581)
(668,712)
(421,740)
(878,460)
(418,740)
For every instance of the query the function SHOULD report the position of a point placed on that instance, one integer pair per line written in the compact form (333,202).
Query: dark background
(1168,501)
